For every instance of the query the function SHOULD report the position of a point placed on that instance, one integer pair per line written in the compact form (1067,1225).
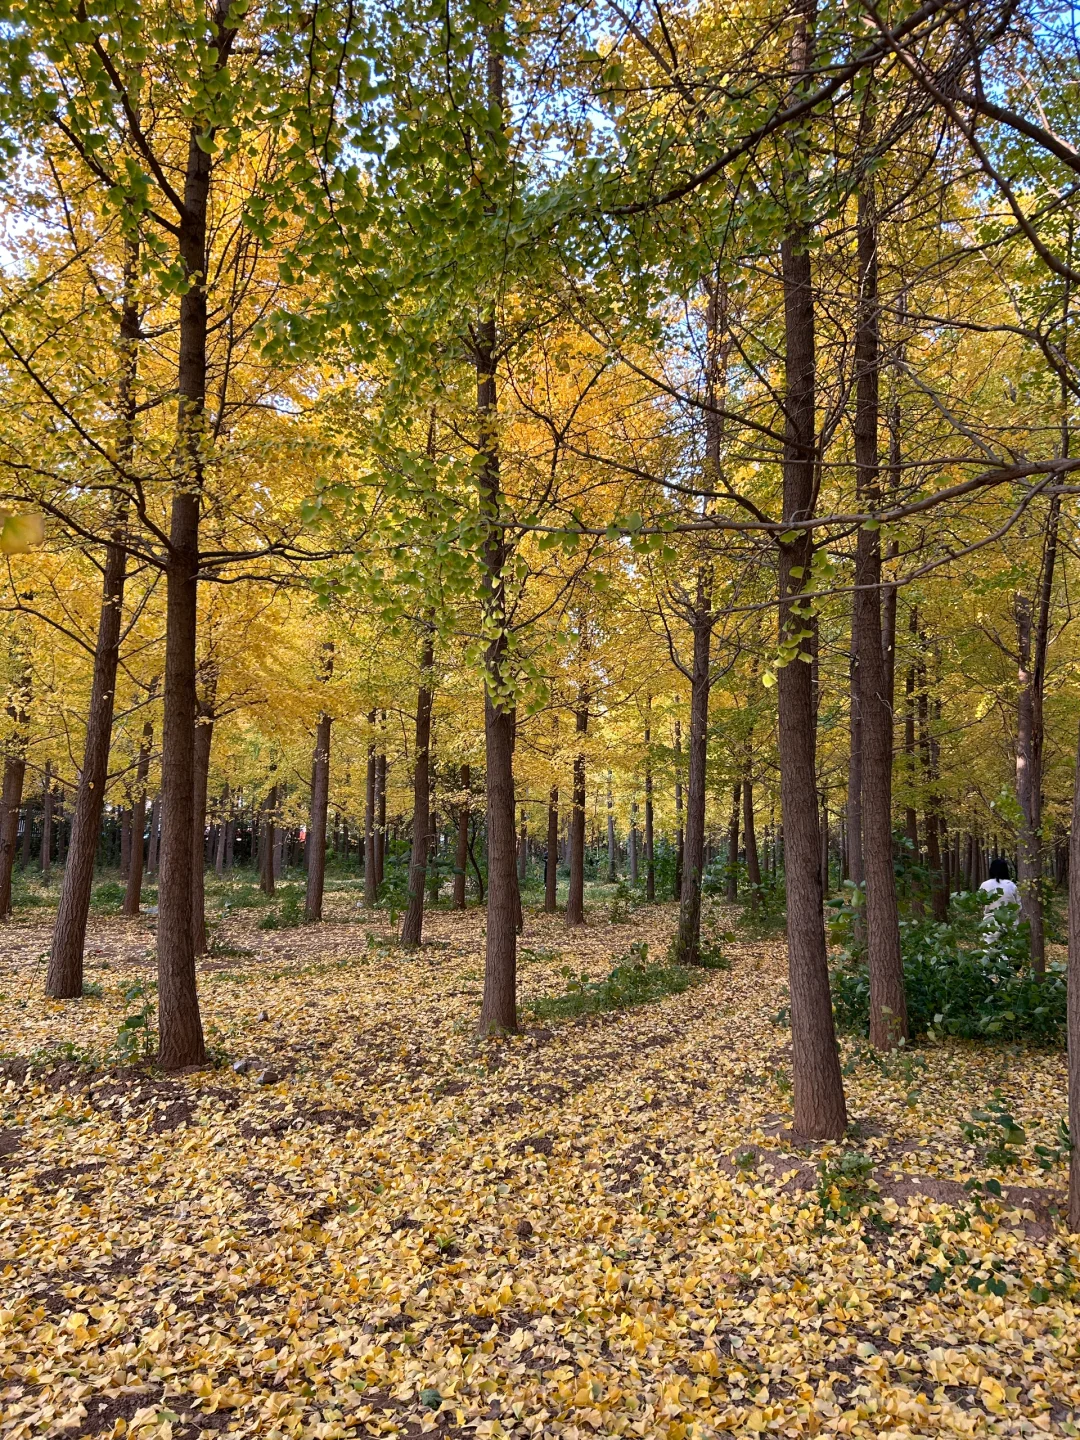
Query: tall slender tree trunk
(551,864)
(679,830)
(732,886)
(316,833)
(855,757)
(11,797)
(47,824)
(888,1003)
(179,1023)
(688,936)
(267,842)
(221,850)
(1073,1004)
(611,858)
(461,858)
(820,1110)
(498,1011)
(632,843)
(125,842)
(413,925)
(523,848)
(64,979)
(204,738)
(753,865)
(133,893)
(381,772)
(154,846)
(650,854)
(370,882)
(575,899)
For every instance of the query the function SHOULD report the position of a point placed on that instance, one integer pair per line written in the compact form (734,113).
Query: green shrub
(290,912)
(962,979)
(107,896)
(633,980)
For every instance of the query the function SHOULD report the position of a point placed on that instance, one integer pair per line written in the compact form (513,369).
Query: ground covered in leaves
(599,1227)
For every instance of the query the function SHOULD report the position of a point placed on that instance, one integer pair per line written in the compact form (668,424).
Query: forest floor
(598,1227)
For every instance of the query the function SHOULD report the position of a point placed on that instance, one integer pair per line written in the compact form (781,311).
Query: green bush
(289,914)
(962,979)
(107,896)
(633,980)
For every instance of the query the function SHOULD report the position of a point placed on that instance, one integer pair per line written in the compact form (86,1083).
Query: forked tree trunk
(64,979)
(133,893)
(888,1003)
(551,863)
(413,924)
(687,944)
(461,857)
(575,898)
(820,1110)
(1073,1004)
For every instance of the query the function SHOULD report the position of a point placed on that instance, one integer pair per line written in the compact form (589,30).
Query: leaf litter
(363,1222)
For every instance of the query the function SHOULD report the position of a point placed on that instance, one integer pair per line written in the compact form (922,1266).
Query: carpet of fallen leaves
(599,1228)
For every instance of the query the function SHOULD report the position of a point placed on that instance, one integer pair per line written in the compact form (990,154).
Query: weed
(135,1035)
(844,1185)
(289,914)
(633,980)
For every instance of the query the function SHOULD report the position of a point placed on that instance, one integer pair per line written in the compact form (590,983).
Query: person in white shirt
(999,889)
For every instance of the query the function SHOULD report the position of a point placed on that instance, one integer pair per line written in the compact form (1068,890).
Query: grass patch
(632,980)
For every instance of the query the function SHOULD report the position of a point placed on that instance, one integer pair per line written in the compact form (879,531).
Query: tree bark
(266,842)
(650,856)
(732,886)
(370,882)
(498,1012)
(1073,1005)
(204,737)
(221,850)
(413,924)
(888,1003)
(551,864)
(10,805)
(27,834)
(679,832)
(820,1110)
(133,893)
(47,824)
(316,833)
(523,849)
(381,768)
(686,948)
(753,865)
(179,1023)
(575,899)
(632,843)
(461,858)
(64,979)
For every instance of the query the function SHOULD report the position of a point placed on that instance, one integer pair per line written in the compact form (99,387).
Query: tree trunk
(381,768)
(632,842)
(498,1010)
(204,737)
(461,858)
(688,936)
(679,832)
(575,899)
(133,893)
(523,849)
(551,864)
(266,842)
(47,824)
(820,1110)
(612,873)
(888,1003)
(413,925)
(370,883)
(1073,1004)
(854,776)
(222,848)
(753,865)
(27,835)
(10,805)
(732,887)
(65,974)
(650,856)
(179,1023)
(316,834)
(125,842)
